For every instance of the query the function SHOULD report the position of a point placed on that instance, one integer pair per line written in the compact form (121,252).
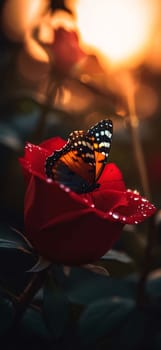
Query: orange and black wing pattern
(101,135)
(80,162)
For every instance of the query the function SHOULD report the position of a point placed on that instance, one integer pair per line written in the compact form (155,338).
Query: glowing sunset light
(19,15)
(121,30)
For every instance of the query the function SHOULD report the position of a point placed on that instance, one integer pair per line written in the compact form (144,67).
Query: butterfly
(79,164)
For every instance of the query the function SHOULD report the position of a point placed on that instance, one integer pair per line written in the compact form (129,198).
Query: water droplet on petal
(49,180)
(92,206)
(85,200)
(136,198)
(136,222)
(62,186)
(144,200)
(67,189)
(136,192)
(115,216)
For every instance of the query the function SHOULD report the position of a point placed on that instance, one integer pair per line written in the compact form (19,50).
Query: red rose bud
(67,52)
(70,228)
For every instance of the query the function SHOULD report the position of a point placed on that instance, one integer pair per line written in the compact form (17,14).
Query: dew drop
(62,186)
(144,200)
(92,206)
(67,189)
(136,192)
(85,200)
(115,216)
(136,198)
(49,181)
(136,222)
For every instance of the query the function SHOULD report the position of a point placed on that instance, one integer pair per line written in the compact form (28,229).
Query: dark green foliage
(33,325)
(84,287)
(16,254)
(6,315)
(56,308)
(102,317)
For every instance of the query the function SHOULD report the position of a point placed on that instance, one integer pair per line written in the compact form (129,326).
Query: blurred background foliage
(44,93)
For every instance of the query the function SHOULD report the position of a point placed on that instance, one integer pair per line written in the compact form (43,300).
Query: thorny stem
(26,297)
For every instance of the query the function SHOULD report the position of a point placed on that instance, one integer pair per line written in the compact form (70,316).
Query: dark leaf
(33,325)
(102,317)
(16,254)
(118,256)
(55,308)
(9,137)
(83,286)
(41,264)
(6,315)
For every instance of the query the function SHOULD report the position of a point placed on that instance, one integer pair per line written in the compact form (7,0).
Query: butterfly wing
(101,136)
(73,165)
(80,162)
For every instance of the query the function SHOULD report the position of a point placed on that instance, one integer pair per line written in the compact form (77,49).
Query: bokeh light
(120,30)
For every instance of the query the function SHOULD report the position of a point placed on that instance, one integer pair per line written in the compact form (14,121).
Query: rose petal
(111,178)
(136,211)
(80,239)
(67,51)
(106,200)
(45,201)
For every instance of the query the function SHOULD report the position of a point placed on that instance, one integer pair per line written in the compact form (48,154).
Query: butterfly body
(79,164)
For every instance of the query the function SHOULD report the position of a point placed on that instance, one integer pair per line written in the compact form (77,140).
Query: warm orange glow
(19,15)
(35,50)
(30,69)
(121,30)
(38,37)
(147,101)
(154,57)
(62,19)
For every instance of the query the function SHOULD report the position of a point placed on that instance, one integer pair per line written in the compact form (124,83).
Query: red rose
(70,228)
(67,52)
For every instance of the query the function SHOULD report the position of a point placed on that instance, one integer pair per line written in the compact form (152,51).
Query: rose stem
(133,124)
(26,297)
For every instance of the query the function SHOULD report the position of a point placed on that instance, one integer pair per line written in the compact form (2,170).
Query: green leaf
(55,308)
(16,254)
(33,325)
(103,317)
(118,256)
(6,315)
(41,264)
(10,234)
(84,287)
(9,137)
